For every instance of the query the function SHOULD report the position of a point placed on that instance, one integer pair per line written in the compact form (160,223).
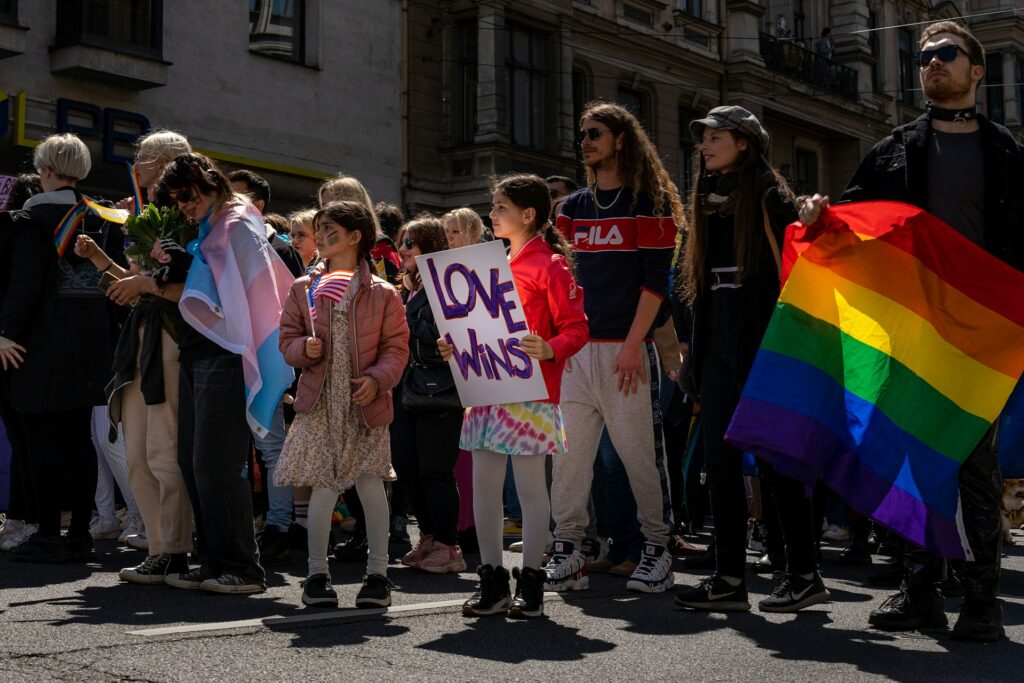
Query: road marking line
(296,619)
(310,617)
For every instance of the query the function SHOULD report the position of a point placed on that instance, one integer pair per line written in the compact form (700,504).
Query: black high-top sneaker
(492,595)
(529,600)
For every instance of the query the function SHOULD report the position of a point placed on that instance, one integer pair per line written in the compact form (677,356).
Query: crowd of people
(159,379)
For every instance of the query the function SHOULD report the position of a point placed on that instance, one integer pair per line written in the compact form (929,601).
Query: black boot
(354,549)
(980,621)
(529,600)
(909,610)
(492,596)
(705,560)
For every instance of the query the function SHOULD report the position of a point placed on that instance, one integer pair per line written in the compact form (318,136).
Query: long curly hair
(638,163)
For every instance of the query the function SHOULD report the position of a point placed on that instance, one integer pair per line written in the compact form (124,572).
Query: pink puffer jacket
(378,337)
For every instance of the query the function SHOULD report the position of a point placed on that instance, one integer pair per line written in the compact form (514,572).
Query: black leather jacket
(896,169)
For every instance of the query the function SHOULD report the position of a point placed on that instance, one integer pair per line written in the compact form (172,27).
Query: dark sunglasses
(408,243)
(946,53)
(589,134)
(186,197)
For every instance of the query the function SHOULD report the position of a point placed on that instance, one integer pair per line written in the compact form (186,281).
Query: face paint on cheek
(332,238)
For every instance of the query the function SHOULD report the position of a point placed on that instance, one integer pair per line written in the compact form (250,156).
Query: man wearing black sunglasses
(968,171)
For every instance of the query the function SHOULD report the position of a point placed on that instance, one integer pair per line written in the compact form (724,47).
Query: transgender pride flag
(894,347)
(233,296)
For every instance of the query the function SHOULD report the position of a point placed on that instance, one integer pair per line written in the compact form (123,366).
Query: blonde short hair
(345,188)
(64,154)
(161,146)
(304,216)
(469,221)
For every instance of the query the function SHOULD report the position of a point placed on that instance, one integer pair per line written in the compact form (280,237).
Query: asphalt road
(64,623)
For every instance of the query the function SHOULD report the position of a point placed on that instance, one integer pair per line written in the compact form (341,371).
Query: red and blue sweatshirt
(620,252)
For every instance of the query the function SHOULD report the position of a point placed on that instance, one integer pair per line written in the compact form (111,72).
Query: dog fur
(1013,507)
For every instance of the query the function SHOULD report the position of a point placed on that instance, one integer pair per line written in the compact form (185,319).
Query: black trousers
(720,389)
(61,465)
(981,491)
(424,448)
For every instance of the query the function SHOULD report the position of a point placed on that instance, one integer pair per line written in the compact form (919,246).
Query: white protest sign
(477,309)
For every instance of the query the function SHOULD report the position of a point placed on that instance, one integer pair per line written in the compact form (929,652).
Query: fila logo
(596,235)
(572,291)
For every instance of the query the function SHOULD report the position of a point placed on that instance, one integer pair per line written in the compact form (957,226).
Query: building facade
(497,86)
(296,90)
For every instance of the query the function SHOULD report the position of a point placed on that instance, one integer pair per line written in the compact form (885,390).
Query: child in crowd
(346,329)
(529,431)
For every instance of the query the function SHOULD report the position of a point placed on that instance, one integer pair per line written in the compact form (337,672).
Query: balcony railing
(793,59)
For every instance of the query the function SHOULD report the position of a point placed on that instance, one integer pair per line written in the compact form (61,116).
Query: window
(994,87)
(637,15)
(1019,80)
(580,93)
(905,39)
(687,148)
(275,29)
(131,26)
(695,8)
(9,12)
(875,48)
(637,103)
(805,176)
(528,86)
(466,81)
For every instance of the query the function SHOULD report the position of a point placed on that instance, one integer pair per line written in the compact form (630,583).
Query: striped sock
(301,512)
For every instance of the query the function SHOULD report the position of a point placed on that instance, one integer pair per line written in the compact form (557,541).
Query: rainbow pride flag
(133,174)
(68,226)
(894,346)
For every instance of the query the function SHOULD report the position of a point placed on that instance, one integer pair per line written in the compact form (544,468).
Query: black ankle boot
(492,596)
(980,621)
(910,609)
(529,600)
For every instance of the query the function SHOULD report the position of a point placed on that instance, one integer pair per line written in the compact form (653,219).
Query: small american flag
(331,285)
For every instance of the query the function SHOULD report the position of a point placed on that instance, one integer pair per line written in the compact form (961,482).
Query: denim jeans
(279,498)
(213,450)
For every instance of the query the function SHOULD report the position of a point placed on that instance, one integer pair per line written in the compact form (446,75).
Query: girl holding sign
(346,329)
(529,431)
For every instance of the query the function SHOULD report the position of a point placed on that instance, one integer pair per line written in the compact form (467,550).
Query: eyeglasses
(946,53)
(408,243)
(589,134)
(186,197)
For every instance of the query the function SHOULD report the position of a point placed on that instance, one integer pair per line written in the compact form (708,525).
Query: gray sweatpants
(590,402)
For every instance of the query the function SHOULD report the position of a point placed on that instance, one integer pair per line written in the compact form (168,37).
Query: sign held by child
(479,313)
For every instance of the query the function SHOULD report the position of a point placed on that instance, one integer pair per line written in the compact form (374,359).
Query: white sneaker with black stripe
(654,572)
(566,571)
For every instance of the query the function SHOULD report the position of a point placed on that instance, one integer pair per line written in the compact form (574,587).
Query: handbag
(429,388)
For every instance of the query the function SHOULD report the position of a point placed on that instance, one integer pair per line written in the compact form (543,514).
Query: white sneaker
(130,526)
(836,533)
(516,547)
(654,573)
(104,528)
(13,538)
(567,569)
(137,542)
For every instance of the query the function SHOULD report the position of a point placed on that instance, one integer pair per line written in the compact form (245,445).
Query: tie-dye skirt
(528,428)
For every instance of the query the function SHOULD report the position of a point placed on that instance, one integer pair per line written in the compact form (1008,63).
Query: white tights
(531,485)
(375,507)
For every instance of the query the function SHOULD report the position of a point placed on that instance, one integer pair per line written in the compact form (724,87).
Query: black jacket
(758,295)
(54,309)
(896,169)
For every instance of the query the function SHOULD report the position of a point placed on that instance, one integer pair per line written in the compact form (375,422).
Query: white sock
(375,509)
(321,506)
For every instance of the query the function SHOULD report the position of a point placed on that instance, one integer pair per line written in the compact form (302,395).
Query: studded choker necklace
(960,116)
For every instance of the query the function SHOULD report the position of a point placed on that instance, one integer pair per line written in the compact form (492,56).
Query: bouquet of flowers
(150,227)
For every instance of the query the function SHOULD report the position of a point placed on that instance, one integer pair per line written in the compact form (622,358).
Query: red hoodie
(553,305)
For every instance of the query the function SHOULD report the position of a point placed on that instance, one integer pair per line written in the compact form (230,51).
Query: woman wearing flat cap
(741,206)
